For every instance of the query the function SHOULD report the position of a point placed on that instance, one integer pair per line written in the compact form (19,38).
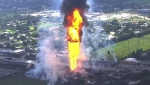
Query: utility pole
(138,43)
(128,47)
(149,44)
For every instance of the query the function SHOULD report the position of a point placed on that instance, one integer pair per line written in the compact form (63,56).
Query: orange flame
(74,26)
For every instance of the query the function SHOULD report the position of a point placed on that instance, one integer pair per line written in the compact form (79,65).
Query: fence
(139,43)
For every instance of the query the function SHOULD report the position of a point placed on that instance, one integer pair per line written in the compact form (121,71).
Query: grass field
(124,48)
(31,28)
(45,25)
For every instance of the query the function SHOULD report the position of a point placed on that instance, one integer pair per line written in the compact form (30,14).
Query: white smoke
(49,65)
(91,3)
(55,4)
(95,38)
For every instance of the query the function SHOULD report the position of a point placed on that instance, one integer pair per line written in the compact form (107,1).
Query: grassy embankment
(125,48)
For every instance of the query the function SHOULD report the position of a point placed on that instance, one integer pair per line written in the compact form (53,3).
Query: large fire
(74,27)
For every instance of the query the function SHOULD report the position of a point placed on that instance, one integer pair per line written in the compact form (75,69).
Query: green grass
(104,52)
(134,19)
(31,28)
(125,48)
(10,31)
(147,36)
(43,25)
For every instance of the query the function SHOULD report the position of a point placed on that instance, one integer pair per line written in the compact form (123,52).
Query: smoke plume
(55,4)
(69,5)
(51,65)
(90,2)
(94,39)
(52,59)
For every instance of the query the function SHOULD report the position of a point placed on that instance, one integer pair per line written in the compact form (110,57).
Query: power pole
(128,47)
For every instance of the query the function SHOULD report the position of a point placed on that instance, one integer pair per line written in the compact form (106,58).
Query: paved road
(4,72)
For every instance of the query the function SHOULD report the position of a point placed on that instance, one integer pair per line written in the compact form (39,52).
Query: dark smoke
(69,5)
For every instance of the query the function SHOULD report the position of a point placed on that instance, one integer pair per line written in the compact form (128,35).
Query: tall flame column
(74,27)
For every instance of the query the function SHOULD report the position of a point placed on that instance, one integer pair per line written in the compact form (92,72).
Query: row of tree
(109,6)
(19,32)
(124,31)
(30,4)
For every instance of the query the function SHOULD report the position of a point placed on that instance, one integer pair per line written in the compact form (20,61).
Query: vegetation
(109,6)
(127,29)
(124,48)
(18,32)
(23,4)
